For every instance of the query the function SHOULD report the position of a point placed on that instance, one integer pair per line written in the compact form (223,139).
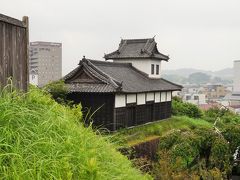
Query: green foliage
(177,98)
(164,169)
(191,148)
(58,90)
(196,149)
(41,139)
(232,134)
(225,114)
(220,154)
(140,133)
(167,142)
(185,109)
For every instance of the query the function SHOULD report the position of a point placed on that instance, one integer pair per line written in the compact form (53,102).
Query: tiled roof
(115,77)
(80,87)
(137,49)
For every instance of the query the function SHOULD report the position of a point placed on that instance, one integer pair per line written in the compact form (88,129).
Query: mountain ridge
(225,73)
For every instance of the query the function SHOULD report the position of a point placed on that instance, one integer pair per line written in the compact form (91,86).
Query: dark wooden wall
(115,118)
(133,115)
(14,51)
(103,103)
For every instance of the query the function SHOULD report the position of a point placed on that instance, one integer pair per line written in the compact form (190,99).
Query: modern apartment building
(236,81)
(45,62)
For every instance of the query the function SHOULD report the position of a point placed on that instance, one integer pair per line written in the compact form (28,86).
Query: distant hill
(184,72)
(182,75)
(226,73)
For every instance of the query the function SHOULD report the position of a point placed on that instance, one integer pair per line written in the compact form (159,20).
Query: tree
(185,109)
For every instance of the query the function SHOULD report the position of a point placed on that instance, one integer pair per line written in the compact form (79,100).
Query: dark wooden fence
(14,40)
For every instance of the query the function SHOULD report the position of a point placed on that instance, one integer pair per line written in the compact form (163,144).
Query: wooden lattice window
(152,68)
(157,69)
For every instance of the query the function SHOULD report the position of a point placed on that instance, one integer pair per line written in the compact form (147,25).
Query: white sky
(203,34)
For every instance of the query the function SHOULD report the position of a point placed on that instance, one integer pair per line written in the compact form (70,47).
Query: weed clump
(41,139)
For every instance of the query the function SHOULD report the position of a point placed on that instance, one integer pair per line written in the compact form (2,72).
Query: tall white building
(233,99)
(236,85)
(45,62)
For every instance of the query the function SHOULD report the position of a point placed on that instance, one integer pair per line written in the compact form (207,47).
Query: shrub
(220,154)
(185,109)
(232,133)
(167,141)
(196,149)
(58,91)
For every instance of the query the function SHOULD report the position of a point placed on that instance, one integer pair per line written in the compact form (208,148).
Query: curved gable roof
(115,77)
(137,49)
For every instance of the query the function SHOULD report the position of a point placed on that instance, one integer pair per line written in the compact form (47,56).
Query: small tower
(142,53)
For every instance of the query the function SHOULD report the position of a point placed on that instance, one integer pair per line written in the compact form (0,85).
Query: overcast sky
(203,34)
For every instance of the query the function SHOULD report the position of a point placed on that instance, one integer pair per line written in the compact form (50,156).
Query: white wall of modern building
(45,62)
(236,83)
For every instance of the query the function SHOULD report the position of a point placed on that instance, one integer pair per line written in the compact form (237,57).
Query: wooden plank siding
(14,40)
(141,114)
(112,118)
(99,106)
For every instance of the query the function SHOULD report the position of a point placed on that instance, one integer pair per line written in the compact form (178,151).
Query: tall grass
(141,133)
(40,139)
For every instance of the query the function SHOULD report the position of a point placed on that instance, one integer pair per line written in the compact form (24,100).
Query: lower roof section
(102,76)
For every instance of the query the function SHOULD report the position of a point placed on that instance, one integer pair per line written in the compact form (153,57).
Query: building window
(152,68)
(188,97)
(196,97)
(157,69)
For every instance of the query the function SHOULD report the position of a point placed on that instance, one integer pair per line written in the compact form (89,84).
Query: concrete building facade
(45,62)
(236,85)
(195,98)
(233,99)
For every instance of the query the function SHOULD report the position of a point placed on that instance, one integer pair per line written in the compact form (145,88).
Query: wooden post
(26,23)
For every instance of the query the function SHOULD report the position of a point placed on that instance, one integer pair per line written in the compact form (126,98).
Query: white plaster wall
(131,98)
(236,83)
(150,97)
(141,98)
(144,65)
(169,97)
(163,96)
(157,97)
(120,100)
